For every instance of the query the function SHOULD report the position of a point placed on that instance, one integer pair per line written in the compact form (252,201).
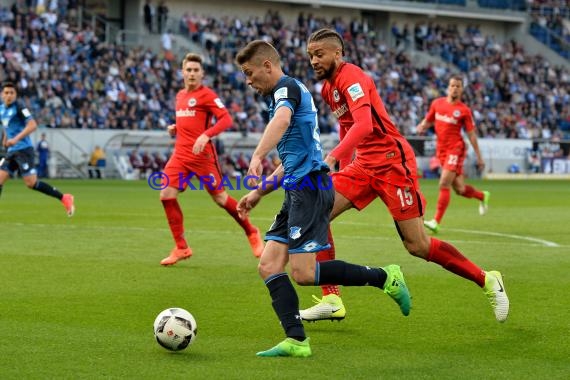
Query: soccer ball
(175,329)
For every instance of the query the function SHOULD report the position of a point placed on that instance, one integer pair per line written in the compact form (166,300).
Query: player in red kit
(449,115)
(384,167)
(195,157)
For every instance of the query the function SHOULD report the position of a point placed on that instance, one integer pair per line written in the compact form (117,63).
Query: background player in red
(195,155)
(449,115)
(384,167)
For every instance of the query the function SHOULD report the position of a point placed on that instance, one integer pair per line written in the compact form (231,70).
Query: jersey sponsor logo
(341,111)
(192,102)
(26,112)
(185,113)
(355,91)
(219,103)
(280,94)
(336,95)
(456,113)
(295,233)
(445,118)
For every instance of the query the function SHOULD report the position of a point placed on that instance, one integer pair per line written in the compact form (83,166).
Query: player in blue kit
(300,227)
(18,124)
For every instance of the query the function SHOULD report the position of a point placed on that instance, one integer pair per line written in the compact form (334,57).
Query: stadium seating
(93,85)
(550,25)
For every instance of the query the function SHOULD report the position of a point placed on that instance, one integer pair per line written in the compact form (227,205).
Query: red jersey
(350,89)
(449,119)
(194,112)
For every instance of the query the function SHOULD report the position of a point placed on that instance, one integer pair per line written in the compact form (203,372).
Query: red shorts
(204,174)
(399,191)
(452,158)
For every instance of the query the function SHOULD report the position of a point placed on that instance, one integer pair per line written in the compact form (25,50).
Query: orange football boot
(177,255)
(256,243)
(67,201)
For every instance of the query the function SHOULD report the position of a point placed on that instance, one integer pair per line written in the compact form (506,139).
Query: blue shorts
(22,160)
(304,218)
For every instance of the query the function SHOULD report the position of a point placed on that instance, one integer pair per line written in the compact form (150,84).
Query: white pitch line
(546,243)
(542,242)
(454,241)
(527,238)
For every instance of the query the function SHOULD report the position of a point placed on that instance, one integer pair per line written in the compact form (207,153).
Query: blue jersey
(300,147)
(14,120)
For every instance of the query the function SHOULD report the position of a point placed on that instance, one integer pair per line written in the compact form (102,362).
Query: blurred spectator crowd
(71,79)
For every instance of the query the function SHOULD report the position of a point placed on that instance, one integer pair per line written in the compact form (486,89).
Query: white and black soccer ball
(175,329)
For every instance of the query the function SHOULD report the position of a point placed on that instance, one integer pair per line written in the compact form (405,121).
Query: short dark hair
(325,33)
(9,85)
(455,77)
(192,57)
(258,49)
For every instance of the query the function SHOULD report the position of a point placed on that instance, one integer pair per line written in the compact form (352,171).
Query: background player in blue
(300,227)
(18,124)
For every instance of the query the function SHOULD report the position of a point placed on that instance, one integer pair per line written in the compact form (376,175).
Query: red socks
(328,254)
(175,221)
(231,208)
(450,258)
(445,195)
(471,192)
(442,203)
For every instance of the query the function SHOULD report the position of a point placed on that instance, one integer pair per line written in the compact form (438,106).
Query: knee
(264,270)
(267,268)
(303,276)
(418,248)
(220,199)
(168,193)
(31,185)
(459,190)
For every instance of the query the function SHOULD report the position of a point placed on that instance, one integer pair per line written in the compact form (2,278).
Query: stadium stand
(112,87)
(71,76)
(550,24)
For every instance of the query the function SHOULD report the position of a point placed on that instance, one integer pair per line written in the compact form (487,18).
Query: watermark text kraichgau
(193,181)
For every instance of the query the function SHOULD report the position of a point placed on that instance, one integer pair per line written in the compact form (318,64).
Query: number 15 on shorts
(406,198)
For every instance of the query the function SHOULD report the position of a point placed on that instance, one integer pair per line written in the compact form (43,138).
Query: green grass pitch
(78,296)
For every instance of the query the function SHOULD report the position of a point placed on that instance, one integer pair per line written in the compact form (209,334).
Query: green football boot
(328,307)
(496,293)
(289,347)
(395,286)
(432,225)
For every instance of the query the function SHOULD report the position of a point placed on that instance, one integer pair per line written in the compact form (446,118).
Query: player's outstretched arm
(361,128)
(30,127)
(273,132)
(472,135)
(221,125)
(171,130)
(247,203)
(250,200)
(423,126)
